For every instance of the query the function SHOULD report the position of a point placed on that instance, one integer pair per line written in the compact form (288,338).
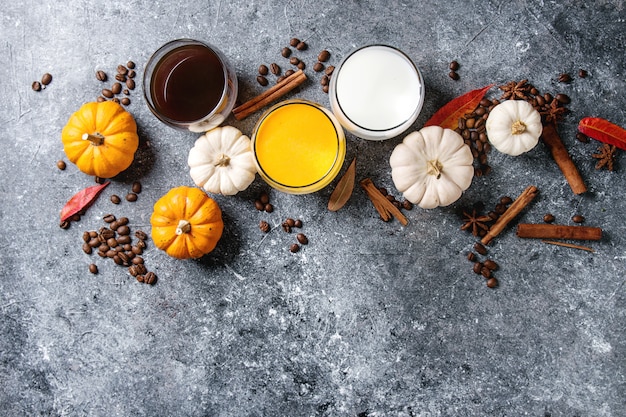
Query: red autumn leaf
(448,116)
(81,200)
(604,131)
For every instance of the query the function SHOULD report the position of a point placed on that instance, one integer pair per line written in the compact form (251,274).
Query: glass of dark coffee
(188,84)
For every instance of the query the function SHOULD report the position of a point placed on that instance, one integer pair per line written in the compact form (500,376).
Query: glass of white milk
(376,92)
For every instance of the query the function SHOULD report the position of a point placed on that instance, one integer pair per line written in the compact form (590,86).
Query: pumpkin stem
(222,161)
(96,139)
(518,127)
(434,168)
(183,227)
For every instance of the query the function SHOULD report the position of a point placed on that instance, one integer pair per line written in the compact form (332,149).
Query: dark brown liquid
(188,83)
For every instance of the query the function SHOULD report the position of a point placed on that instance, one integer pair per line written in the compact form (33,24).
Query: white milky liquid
(378,88)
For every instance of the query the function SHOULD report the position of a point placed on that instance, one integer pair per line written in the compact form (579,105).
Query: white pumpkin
(514,127)
(432,167)
(222,162)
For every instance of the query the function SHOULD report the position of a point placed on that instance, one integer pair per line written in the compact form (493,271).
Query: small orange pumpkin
(186,223)
(101,139)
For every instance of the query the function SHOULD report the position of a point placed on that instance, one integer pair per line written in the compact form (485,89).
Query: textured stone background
(369,319)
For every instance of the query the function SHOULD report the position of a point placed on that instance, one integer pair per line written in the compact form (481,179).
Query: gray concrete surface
(369,319)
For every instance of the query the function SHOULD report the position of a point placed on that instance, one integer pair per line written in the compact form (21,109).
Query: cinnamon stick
(514,209)
(554,143)
(270,95)
(557,231)
(384,207)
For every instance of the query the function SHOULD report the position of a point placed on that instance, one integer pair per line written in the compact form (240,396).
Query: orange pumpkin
(101,139)
(186,223)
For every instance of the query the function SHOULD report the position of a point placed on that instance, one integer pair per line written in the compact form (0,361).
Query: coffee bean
(141,244)
(329,70)
(263,69)
(477,267)
(64,224)
(121,69)
(121,77)
(302,239)
(137,250)
(136,187)
(548,218)
(123,230)
(150,278)
(577,218)
(485,272)
(46,79)
(506,200)
(124,258)
(582,137)
(109,218)
(454,66)
(274,68)
(36,86)
(112,242)
(323,56)
(116,88)
(101,99)
(471,256)
(563,98)
(87,248)
(259,205)
(111,253)
(582,73)
(125,91)
(107,93)
(407,205)
(318,67)
(454,75)
(500,208)
(131,74)
(294,60)
(125,101)
(490,264)
(130,84)
(61,165)
(136,259)
(301,46)
(103,248)
(290,222)
(123,221)
(115,199)
(325,89)
(294,248)
(101,75)
(261,80)
(86,236)
(565,78)
(280,79)
(286,227)
(480,248)
(492,282)
(285,52)
(141,235)
(132,197)
(118,260)
(325,80)
(130,64)
(301,65)
(93,268)
(268,208)
(106,233)
(297,223)
(264,226)
(115,100)
(289,72)
(294,41)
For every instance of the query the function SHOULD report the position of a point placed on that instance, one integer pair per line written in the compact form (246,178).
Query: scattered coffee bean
(120,77)
(125,101)
(325,89)
(485,272)
(506,200)
(115,199)
(121,69)
(318,67)
(480,248)
(563,98)
(132,197)
(136,187)
(454,66)
(301,46)
(93,268)
(116,88)
(87,248)
(323,56)
(454,75)
(136,259)
(264,198)
(294,248)
(471,256)
(100,99)
(107,93)
(294,60)
(280,79)
(264,226)
(477,267)
(150,278)
(285,52)
(36,86)
(261,80)
(101,75)
(130,84)
(325,80)
(577,218)
(490,264)
(61,165)
(274,68)
(301,65)
(115,100)
(582,73)
(141,235)
(268,208)
(492,282)
(263,69)
(294,42)
(565,78)
(130,65)
(131,74)
(123,230)
(259,205)
(64,224)
(548,218)
(289,72)
(46,79)
(329,70)
(109,218)
(302,239)
(582,137)
(297,223)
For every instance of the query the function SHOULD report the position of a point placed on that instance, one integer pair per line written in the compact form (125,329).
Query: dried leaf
(448,116)
(604,131)
(81,200)
(342,192)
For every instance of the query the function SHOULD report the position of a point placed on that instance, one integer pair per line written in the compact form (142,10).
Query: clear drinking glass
(189,84)
(376,92)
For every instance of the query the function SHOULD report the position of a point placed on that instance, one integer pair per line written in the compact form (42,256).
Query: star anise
(475,222)
(605,156)
(516,90)
(553,112)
